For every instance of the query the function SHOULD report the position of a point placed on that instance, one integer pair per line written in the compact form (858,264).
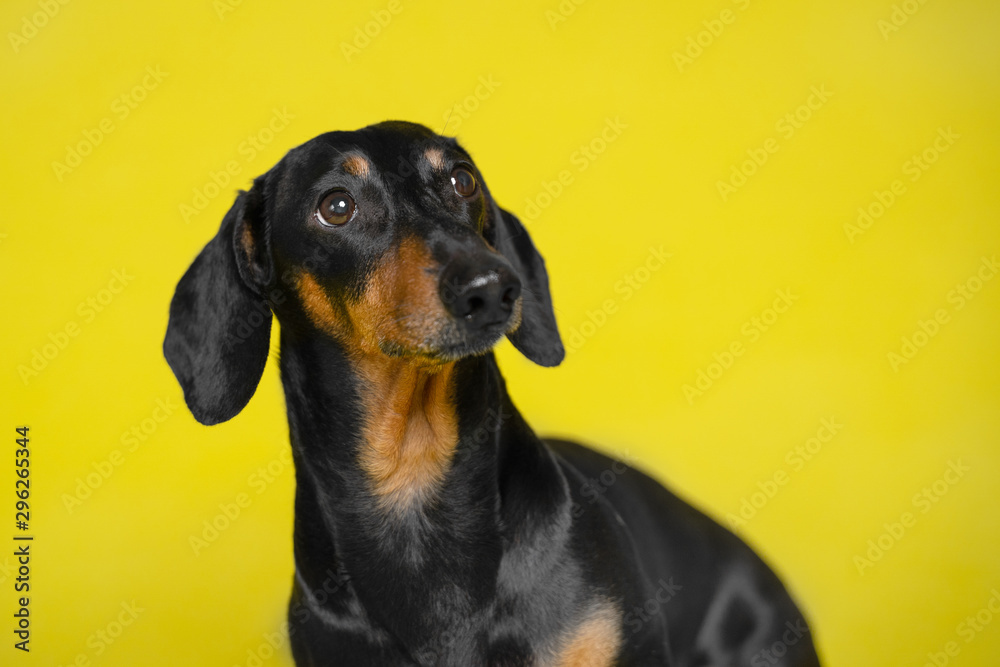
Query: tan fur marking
(436,157)
(401,305)
(596,642)
(410,430)
(356,165)
(318,307)
(246,241)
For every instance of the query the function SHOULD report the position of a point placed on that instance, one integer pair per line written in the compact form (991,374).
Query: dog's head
(385,239)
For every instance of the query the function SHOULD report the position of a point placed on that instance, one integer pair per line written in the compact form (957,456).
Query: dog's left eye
(335,209)
(463,181)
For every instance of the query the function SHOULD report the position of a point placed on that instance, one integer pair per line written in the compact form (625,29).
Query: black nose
(480,296)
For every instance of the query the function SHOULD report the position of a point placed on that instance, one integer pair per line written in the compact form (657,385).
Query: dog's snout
(481,296)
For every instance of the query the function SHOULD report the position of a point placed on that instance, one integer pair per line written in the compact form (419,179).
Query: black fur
(518,542)
(218,369)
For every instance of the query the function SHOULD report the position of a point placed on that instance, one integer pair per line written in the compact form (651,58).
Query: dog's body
(432,527)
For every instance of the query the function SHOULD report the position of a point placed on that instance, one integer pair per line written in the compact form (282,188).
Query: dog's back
(721,603)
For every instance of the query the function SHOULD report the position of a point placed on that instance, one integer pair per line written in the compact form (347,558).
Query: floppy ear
(219,330)
(538,336)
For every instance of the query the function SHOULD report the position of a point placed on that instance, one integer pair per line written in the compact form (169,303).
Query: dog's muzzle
(480,296)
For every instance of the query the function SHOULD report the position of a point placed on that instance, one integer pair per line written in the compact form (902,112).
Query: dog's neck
(404,475)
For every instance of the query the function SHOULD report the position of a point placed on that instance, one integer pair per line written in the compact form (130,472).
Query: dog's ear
(537,337)
(219,330)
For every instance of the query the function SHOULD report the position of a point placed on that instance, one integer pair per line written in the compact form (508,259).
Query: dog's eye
(463,181)
(335,209)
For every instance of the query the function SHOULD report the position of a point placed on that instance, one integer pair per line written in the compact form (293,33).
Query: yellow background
(555,85)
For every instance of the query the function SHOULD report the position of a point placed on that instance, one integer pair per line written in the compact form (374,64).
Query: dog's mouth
(452,338)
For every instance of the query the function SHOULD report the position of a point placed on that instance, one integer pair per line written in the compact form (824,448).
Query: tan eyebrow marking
(355,165)
(436,157)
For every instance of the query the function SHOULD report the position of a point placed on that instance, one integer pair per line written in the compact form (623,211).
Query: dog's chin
(451,345)
(471,347)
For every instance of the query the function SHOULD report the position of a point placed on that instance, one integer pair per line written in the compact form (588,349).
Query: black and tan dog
(432,526)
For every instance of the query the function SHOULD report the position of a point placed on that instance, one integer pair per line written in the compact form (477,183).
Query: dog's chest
(592,639)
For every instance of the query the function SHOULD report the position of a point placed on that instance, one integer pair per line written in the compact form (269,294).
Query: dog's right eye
(463,181)
(336,208)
